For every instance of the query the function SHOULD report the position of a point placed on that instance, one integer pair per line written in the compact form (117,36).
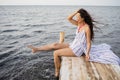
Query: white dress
(98,53)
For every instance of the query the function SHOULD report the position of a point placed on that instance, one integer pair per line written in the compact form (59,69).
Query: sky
(61,2)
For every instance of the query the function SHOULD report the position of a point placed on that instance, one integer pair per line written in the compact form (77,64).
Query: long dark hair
(89,20)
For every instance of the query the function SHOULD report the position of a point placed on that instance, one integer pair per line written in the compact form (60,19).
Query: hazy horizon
(62,2)
(61,5)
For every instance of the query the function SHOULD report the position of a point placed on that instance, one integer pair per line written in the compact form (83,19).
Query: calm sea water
(39,25)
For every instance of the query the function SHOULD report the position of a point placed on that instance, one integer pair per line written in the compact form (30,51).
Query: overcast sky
(61,2)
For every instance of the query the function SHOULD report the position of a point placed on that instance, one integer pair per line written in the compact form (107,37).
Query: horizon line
(50,5)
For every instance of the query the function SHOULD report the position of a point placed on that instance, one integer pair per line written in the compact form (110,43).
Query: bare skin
(62,49)
(53,46)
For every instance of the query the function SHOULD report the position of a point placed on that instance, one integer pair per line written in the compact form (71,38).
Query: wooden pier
(77,68)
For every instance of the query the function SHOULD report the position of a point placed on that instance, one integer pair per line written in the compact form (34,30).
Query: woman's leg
(57,54)
(49,47)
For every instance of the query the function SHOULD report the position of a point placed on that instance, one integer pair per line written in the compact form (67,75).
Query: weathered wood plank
(76,68)
(79,70)
(66,67)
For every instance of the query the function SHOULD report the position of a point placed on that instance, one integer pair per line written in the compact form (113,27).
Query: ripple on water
(24,36)
(7,53)
(12,30)
(39,31)
(13,42)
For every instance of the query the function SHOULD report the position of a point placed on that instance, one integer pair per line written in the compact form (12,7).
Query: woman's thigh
(60,45)
(65,52)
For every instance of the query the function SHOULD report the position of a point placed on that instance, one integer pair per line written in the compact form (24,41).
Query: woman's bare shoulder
(87,28)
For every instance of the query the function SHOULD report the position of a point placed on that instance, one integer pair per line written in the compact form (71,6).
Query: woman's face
(79,18)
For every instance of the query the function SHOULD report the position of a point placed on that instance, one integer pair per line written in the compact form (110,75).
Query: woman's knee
(55,53)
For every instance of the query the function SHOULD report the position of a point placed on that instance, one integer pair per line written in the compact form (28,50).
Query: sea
(37,25)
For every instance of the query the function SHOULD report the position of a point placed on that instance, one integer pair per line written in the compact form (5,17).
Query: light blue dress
(98,53)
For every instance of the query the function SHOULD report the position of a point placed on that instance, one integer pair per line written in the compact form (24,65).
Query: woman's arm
(88,43)
(70,18)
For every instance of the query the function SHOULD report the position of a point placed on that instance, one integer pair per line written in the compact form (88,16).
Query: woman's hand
(70,18)
(87,57)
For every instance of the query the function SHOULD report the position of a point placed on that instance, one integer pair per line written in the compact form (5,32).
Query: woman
(81,44)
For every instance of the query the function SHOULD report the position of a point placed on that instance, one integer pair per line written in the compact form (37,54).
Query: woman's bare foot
(56,73)
(34,49)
